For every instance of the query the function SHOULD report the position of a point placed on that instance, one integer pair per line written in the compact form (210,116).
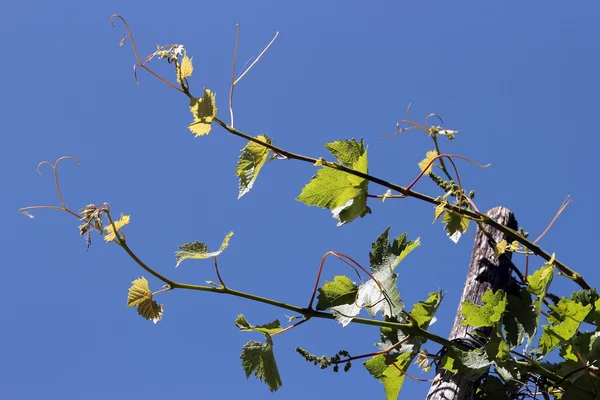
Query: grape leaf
(424,165)
(110,233)
(245,326)
(199,250)
(382,368)
(538,285)
(519,318)
(138,292)
(258,359)
(341,291)
(565,319)
(586,297)
(344,194)
(471,365)
(456,225)
(185,69)
(204,110)
(384,254)
(251,160)
(489,314)
(140,295)
(439,209)
(500,247)
(424,311)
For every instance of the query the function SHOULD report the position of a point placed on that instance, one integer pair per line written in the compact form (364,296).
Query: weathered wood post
(485,272)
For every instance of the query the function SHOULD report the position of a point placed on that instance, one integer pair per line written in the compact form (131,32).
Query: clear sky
(518,79)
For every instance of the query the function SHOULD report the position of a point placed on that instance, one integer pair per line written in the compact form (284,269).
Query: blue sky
(519,80)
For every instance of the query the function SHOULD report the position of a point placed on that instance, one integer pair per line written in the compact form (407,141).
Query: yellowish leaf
(439,209)
(501,247)
(386,195)
(425,164)
(204,111)
(151,310)
(185,69)
(110,233)
(514,246)
(138,292)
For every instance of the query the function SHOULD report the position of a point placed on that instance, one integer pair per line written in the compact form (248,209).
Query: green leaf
(586,297)
(347,152)
(519,318)
(258,359)
(423,312)
(456,225)
(487,315)
(344,194)
(538,285)
(471,365)
(341,291)
(251,160)
(439,209)
(199,250)
(245,326)
(138,292)
(382,368)
(388,255)
(565,319)
(204,110)
(140,296)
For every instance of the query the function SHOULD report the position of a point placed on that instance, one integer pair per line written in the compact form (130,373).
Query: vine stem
(475,216)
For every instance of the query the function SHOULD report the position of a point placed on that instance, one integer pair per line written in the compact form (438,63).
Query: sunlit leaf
(429,157)
(258,359)
(185,69)
(341,291)
(470,365)
(251,160)
(384,254)
(538,285)
(151,310)
(199,250)
(342,193)
(489,314)
(244,325)
(500,247)
(110,233)
(439,209)
(456,225)
(565,319)
(204,110)
(139,291)
(391,376)
(424,311)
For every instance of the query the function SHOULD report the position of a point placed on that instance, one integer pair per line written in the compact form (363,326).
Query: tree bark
(485,272)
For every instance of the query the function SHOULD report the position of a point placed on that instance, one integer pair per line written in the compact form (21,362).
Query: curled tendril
(137,56)
(430,116)
(63,207)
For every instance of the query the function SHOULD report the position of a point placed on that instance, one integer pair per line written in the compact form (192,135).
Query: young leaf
(388,255)
(141,296)
(424,165)
(199,250)
(424,311)
(185,69)
(565,320)
(470,365)
(487,315)
(204,110)
(341,291)
(500,247)
(138,292)
(344,194)
(439,209)
(251,160)
(538,285)
(456,225)
(245,326)
(110,233)
(382,368)
(258,359)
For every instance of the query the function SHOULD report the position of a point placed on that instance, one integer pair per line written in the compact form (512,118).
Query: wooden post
(485,272)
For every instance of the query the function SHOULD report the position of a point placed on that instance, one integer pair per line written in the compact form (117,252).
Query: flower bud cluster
(324,362)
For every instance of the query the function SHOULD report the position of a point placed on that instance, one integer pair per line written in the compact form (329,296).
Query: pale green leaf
(487,315)
(347,152)
(204,110)
(258,359)
(139,291)
(439,209)
(424,311)
(251,160)
(383,369)
(501,247)
(538,285)
(565,319)
(110,233)
(199,250)
(244,325)
(456,225)
(185,69)
(471,365)
(388,255)
(426,164)
(341,291)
